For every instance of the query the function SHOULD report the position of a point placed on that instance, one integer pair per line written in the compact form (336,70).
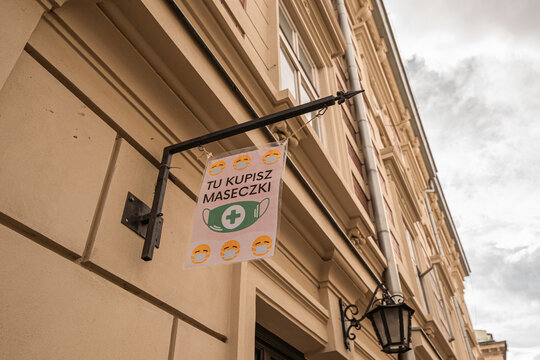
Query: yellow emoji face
(230,250)
(262,245)
(200,254)
(241,162)
(271,157)
(217,168)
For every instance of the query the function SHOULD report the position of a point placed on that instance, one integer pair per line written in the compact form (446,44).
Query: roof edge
(385,30)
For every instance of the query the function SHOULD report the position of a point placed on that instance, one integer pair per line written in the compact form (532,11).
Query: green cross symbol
(233,216)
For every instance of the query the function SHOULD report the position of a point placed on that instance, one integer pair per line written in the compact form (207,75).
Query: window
(298,74)
(414,259)
(269,347)
(441,306)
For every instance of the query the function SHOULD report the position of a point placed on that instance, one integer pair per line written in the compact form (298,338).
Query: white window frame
(291,51)
(440,298)
(419,280)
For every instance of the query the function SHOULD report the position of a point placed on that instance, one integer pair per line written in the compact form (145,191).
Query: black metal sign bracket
(136,216)
(147,222)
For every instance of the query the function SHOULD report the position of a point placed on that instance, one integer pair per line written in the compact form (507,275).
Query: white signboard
(237,213)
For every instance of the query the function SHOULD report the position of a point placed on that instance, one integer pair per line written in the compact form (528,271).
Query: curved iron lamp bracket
(349,322)
(348,312)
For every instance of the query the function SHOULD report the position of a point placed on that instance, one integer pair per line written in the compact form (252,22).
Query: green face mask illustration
(235,216)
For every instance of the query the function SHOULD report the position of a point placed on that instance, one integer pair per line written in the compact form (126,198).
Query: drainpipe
(381,223)
(391,275)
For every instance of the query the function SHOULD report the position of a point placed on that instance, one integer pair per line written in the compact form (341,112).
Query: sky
(474,68)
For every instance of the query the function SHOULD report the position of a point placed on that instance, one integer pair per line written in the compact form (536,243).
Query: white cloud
(474,67)
(448,31)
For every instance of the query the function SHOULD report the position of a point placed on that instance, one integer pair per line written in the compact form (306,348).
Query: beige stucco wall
(90,94)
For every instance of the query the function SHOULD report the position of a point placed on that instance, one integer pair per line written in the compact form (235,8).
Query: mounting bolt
(131,198)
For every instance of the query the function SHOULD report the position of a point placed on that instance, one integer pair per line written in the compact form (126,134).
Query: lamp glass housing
(392,324)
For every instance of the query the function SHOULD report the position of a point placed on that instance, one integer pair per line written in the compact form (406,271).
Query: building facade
(491,349)
(92,91)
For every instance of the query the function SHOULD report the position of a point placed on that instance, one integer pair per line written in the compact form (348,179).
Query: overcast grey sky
(474,67)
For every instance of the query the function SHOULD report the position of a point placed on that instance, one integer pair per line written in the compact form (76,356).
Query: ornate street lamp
(390,317)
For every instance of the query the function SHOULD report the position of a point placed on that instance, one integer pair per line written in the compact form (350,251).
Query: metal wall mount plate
(136,214)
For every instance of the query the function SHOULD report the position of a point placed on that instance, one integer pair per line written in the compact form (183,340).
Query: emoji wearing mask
(262,245)
(235,216)
(230,250)
(241,162)
(217,168)
(200,254)
(271,157)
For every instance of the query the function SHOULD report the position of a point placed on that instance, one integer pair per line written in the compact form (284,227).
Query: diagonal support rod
(153,231)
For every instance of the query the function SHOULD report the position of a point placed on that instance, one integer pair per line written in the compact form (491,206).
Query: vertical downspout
(463,331)
(381,223)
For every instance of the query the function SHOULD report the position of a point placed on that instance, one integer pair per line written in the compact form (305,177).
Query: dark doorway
(270,347)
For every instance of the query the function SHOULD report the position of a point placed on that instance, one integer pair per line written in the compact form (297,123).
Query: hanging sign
(237,213)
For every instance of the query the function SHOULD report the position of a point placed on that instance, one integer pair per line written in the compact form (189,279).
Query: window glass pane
(412,248)
(287,73)
(305,98)
(306,65)
(285,27)
(316,124)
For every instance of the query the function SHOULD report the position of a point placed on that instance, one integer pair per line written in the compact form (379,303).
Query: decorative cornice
(318,28)
(366,245)
(283,132)
(445,275)
(403,185)
(271,301)
(287,283)
(337,40)
(439,340)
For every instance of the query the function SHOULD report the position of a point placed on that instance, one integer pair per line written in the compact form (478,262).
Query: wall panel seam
(106,118)
(96,220)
